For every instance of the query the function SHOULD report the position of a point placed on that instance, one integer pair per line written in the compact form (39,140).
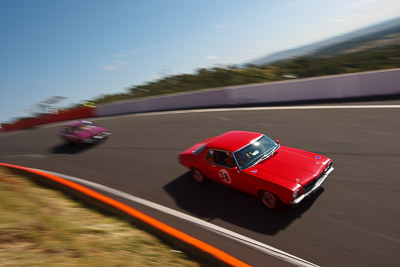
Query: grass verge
(43,227)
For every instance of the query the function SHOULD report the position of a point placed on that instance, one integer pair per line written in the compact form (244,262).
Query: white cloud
(118,64)
(211,57)
(363,12)
(337,20)
(125,54)
(357,5)
(256,52)
(119,55)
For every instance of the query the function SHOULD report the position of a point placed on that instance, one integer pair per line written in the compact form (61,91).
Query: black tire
(270,200)
(198,176)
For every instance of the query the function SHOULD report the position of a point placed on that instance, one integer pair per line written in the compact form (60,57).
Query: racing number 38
(224,175)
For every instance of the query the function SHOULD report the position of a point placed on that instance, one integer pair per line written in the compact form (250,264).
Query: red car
(257,165)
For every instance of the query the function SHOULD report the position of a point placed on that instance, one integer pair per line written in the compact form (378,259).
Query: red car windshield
(255,152)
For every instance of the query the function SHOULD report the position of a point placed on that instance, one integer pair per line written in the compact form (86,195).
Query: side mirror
(235,169)
(277,141)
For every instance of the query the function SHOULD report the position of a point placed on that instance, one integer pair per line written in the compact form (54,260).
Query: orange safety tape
(139,215)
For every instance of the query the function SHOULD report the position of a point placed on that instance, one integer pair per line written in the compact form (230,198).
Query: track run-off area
(353,221)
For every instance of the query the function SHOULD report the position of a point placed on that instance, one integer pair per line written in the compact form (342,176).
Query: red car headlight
(296,193)
(298,190)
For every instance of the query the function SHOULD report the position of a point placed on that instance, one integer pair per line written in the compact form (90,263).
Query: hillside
(379,35)
(301,67)
(376,40)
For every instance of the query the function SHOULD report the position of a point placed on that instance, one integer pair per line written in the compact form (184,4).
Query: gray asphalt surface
(353,221)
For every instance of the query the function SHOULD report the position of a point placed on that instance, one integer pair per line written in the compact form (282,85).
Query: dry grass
(43,227)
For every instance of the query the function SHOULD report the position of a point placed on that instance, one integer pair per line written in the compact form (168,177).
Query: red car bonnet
(292,164)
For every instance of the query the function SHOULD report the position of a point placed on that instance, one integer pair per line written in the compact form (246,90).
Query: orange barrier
(71,114)
(221,256)
(23,124)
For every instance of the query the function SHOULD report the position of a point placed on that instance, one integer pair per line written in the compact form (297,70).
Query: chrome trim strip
(316,186)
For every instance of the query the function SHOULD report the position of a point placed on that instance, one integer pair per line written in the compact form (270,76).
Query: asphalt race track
(353,221)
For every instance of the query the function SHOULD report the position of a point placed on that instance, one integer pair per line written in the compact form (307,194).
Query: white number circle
(224,175)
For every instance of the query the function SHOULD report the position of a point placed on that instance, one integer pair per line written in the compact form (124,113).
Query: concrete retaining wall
(375,83)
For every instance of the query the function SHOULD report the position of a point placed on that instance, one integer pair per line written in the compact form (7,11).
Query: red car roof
(233,140)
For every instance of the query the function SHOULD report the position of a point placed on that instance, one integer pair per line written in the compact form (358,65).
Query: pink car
(257,165)
(83,132)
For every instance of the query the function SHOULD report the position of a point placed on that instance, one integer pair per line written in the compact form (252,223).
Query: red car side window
(211,156)
(221,158)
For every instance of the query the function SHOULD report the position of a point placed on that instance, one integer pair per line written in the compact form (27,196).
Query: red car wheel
(270,200)
(198,176)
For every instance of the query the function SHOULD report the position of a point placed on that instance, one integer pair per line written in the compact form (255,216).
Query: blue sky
(81,49)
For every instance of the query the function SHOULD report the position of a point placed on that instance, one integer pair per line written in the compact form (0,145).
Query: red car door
(221,169)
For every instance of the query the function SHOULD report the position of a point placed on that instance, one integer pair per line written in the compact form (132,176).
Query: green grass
(43,227)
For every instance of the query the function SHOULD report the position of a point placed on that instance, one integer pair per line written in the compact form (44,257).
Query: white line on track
(206,225)
(159,113)
(145,114)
